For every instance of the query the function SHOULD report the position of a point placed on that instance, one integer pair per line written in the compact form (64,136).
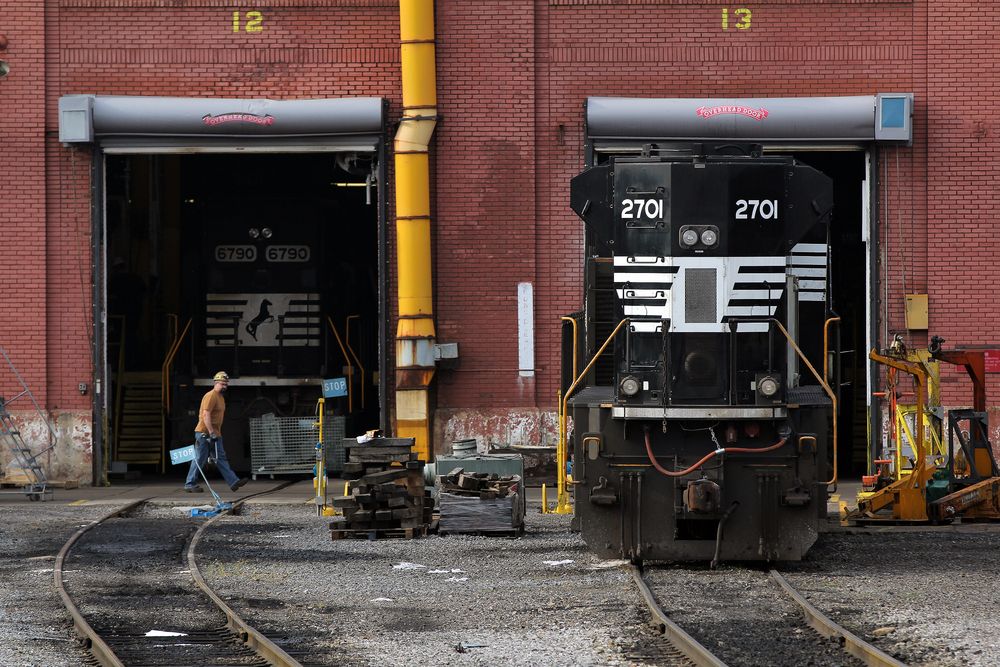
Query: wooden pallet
(379,533)
(513,532)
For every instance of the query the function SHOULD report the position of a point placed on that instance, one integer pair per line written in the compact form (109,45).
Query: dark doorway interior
(262,265)
(848,259)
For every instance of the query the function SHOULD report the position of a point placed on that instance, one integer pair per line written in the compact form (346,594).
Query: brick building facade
(512,80)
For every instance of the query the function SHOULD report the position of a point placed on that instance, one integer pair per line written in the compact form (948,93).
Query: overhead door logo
(708,112)
(237,118)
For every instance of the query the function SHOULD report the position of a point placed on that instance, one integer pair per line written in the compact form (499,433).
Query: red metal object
(974,362)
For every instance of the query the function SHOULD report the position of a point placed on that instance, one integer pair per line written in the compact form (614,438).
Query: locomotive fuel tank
(705,437)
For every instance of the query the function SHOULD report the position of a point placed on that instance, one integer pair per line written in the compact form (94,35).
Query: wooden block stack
(481,503)
(485,485)
(387,497)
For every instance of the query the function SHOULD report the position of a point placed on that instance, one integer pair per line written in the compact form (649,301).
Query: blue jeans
(202,448)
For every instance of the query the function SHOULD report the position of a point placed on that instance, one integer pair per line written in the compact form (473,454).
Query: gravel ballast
(925,597)
(35,628)
(466,600)
(743,617)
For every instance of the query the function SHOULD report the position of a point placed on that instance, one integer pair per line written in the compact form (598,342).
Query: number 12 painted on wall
(254,21)
(742,16)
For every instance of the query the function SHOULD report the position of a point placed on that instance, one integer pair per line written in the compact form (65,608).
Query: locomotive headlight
(700,368)
(767,386)
(254,232)
(689,237)
(709,237)
(629,385)
(266,232)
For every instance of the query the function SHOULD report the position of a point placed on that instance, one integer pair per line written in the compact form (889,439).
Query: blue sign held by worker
(182,455)
(335,388)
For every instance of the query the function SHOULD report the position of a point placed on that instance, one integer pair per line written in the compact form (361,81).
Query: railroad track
(747,617)
(133,588)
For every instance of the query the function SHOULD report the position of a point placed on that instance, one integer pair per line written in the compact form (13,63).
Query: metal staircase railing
(165,397)
(119,384)
(35,483)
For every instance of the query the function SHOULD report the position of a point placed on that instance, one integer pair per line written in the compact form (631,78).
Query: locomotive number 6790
(287,253)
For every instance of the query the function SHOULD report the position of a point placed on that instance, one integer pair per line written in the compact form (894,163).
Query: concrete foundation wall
(72,456)
(493,429)
(531,432)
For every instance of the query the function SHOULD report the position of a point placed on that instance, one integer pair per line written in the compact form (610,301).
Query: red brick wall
(513,76)
(486,206)
(24,261)
(962,193)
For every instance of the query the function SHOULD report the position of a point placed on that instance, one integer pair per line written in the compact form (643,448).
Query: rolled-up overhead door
(185,124)
(855,119)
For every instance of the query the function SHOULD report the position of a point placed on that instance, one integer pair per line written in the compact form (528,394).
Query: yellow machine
(904,495)
(940,484)
(898,459)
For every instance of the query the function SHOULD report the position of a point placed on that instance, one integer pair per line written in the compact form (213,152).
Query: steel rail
(100,649)
(93,642)
(822,624)
(248,634)
(684,642)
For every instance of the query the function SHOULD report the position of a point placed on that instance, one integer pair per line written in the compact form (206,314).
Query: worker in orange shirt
(208,437)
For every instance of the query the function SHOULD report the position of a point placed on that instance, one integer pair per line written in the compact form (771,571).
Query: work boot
(195,488)
(238,483)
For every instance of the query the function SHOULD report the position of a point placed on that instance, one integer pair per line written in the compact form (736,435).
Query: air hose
(701,462)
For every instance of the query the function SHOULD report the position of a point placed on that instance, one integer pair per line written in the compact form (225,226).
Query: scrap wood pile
(479,502)
(386,495)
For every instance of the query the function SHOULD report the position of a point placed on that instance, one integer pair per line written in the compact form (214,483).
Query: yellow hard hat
(221,376)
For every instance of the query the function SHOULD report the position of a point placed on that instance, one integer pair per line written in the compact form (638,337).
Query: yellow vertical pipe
(415,334)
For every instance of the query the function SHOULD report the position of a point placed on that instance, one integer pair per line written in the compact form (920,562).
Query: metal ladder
(36,484)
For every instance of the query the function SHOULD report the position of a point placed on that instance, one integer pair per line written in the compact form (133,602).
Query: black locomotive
(702,436)
(285,295)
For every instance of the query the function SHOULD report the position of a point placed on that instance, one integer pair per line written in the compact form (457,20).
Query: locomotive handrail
(562,495)
(165,391)
(575,339)
(826,345)
(826,388)
(347,343)
(350,367)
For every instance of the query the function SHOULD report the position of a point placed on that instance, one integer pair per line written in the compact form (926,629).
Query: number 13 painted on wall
(741,15)
(253,24)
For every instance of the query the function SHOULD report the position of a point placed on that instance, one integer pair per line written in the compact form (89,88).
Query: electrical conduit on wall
(415,330)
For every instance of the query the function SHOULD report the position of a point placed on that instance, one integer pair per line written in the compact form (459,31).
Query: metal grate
(287,445)
(700,304)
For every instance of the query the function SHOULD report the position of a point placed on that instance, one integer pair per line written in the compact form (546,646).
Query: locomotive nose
(699,368)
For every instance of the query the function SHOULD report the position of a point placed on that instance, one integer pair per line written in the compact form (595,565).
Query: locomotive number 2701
(639,209)
(756,209)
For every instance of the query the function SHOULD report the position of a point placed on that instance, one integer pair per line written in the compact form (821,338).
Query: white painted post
(525,330)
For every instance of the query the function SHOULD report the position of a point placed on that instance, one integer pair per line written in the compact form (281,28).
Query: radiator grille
(700,306)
